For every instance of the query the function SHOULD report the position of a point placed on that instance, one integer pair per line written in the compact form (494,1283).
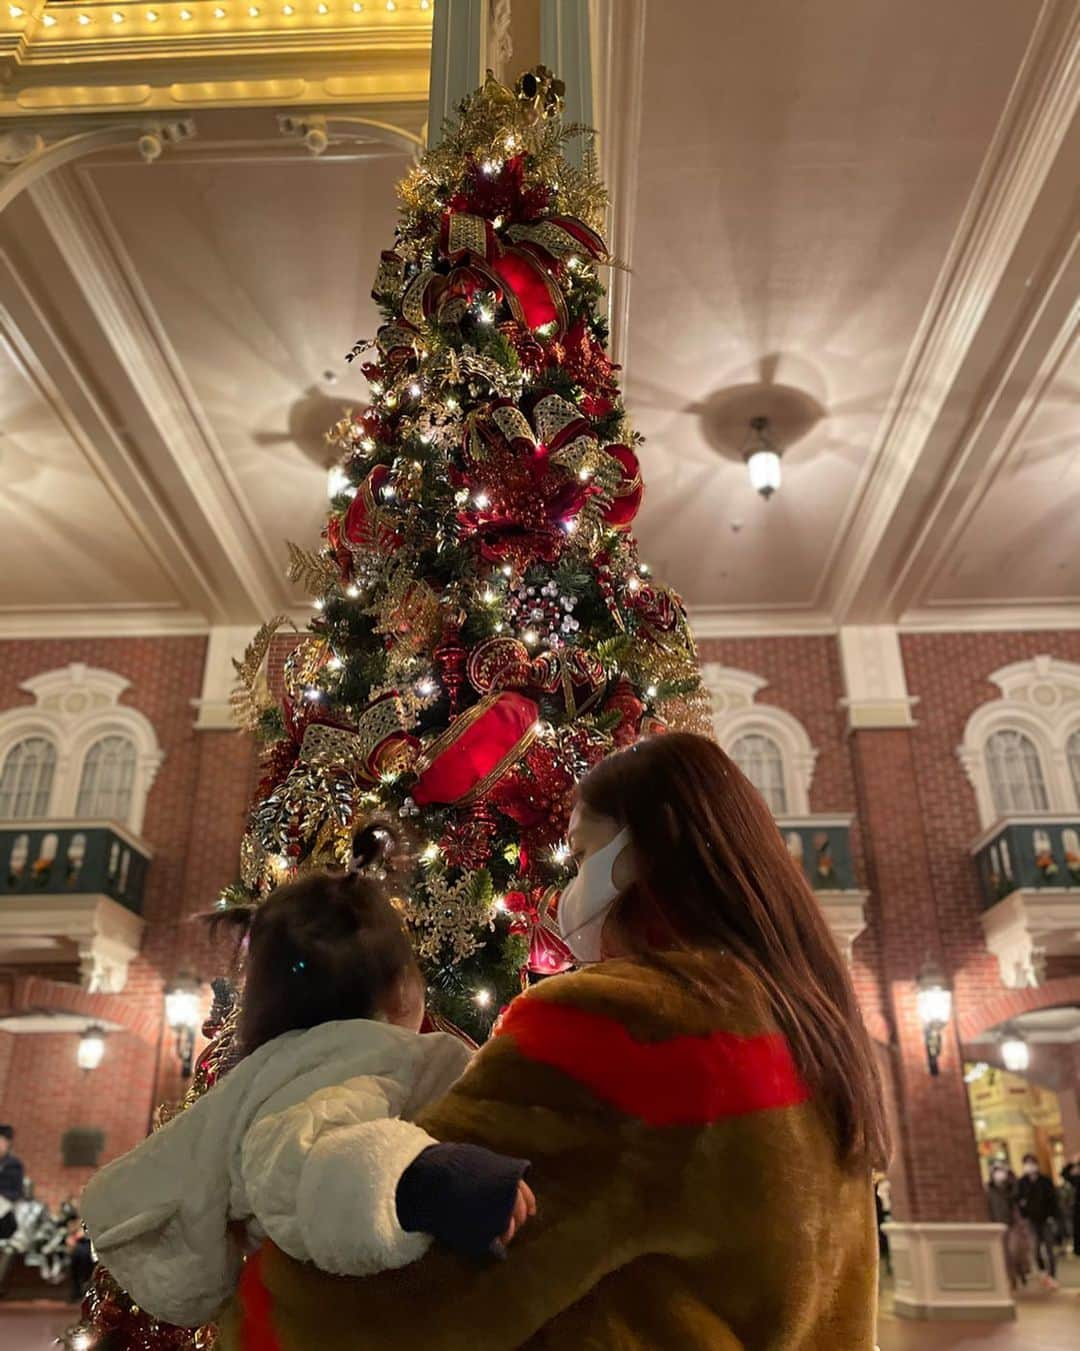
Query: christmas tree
(484,631)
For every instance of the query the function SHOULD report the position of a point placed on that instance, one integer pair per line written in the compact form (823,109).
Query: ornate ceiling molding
(1033,128)
(186,54)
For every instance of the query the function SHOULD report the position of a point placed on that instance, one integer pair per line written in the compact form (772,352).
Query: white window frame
(1041,698)
(75,706)
(735,714)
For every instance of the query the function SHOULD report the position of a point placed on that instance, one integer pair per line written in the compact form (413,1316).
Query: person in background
(882,1202)
(1038,1203)
(1070,1174)
(11,1190)
(1001,1195)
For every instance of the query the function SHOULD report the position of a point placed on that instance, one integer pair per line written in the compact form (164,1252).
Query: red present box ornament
(476,750)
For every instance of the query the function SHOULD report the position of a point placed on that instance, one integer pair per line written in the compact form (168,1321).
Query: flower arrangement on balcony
(1072,865)
(1048,868)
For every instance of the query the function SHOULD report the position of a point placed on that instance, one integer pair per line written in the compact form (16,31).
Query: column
(948,1260)
(459,41)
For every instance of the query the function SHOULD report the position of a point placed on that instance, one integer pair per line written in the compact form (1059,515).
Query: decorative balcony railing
(1029,852)
(821,844)
(50,858)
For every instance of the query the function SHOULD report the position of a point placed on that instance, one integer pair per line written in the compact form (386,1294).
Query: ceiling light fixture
(1015,1052)
(762,459)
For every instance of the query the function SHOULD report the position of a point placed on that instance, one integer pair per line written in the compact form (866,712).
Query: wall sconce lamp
(91,1048)
(762,459)
(183,1013)
(934,1003)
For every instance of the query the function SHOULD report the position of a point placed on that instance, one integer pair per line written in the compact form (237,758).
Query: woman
(1002,1204)
(673,1096)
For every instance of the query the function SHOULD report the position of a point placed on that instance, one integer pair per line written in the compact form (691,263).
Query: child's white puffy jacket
(305,1140)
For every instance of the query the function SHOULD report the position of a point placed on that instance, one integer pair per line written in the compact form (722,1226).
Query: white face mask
(584,905)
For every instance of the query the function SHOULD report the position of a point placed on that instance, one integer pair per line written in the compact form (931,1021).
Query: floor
(1045,1323)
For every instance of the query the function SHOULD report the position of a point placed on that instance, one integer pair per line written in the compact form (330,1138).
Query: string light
(323,9)
(253,11)
(482,500)
(561,853)
(357,8)
(319,604)
(488,596)
(185,14)
(335,663)
(633,584)
(415,390)
(500,904)
(152,16)
(425,687)
(16,11)
(84,19)
(312,693)
(352,591)
(652,692)
(117,17)
(288,11)
(484,315)
(483,998)
(219,13)
(531,637)
(48,20)
(430,853)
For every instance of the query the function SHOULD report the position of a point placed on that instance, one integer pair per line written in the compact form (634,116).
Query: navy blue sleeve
(463,1195)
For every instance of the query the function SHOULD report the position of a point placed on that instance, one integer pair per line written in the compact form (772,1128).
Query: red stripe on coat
(685,1081)
(257,1308)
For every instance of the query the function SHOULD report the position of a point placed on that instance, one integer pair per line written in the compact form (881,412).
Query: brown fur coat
(689,1194)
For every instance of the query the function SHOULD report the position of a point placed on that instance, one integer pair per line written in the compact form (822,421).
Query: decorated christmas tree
(484,630)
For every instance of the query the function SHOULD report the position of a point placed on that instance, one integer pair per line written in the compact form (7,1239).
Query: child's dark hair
(324,948)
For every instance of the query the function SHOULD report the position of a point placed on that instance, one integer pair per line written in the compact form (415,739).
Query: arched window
(1016,774)
(108,775)
(760,760)
(1072,754)
(27,778)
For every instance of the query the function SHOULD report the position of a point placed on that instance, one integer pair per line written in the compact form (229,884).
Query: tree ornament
(476,750)
(625,702)
(532,915)
(450,659)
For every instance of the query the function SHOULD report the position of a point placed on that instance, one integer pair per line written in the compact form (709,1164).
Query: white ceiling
(858,218)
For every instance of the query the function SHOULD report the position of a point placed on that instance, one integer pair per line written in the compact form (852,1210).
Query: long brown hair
(712,873)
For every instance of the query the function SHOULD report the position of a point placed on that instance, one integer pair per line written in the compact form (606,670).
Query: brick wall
(194,821)
(45,1093)
(948,674)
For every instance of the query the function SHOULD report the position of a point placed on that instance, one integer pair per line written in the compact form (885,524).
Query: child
(309,1140)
